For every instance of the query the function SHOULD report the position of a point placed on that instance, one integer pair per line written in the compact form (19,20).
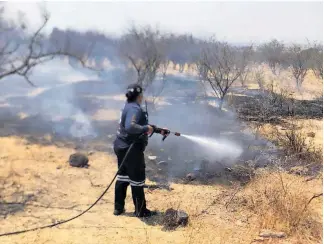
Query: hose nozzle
(164,132)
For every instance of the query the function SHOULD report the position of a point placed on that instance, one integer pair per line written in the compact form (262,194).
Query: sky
(237,22)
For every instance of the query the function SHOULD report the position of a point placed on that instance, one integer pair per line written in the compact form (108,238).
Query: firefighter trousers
(132,173)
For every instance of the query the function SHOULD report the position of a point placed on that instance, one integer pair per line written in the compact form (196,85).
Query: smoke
(55,100)
(68,99)
(210,134)
(60,109)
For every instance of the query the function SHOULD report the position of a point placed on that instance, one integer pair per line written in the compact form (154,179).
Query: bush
(294,141)
(299,144)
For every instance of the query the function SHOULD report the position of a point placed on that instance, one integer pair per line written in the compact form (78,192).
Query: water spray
(223,148)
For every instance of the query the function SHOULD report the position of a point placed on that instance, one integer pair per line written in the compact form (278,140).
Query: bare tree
(299,63)
(164,68)
(273,54)
(180,50)
(164,47)
(141,49)
(220,65)
(156,89)
(245,75)
(316,60)
(21,52)
(258,75)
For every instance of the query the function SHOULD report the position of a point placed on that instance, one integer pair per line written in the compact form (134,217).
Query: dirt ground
(39,188)
(46,189)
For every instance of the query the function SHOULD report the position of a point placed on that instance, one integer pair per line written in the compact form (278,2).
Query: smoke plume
(67,102)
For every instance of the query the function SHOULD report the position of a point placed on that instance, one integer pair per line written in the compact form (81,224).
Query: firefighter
(133,127)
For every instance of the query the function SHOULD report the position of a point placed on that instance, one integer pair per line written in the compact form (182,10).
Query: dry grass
(296,141)
(311,87)
(300,139)
(286,203)
(312,129)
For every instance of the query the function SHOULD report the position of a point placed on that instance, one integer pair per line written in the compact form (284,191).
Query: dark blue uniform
(133,123)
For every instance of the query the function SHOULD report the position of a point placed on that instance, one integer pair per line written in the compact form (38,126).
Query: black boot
(146,213)
(120,195)
(118,212)
(139,200)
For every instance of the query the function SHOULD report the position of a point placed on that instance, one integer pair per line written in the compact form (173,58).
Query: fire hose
(158,130)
